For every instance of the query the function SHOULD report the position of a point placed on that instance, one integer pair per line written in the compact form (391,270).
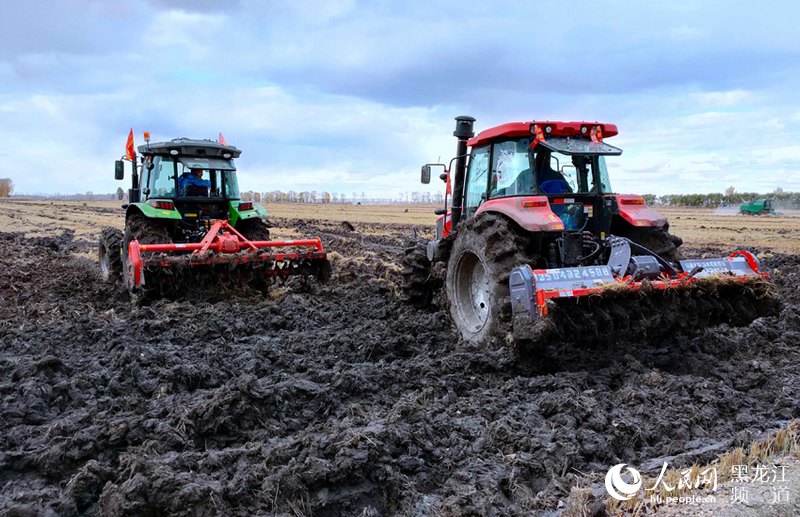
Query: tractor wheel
(485,251)
(418,281)
(109,254)
(146,231)
(255,229)
(660,241)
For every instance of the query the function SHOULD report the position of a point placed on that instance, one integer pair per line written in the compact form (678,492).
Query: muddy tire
(109,251)
(485,251)
(418,283)
(254,229)
(658,240)
(146,231)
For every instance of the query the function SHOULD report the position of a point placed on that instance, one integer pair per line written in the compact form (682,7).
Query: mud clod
(341,400)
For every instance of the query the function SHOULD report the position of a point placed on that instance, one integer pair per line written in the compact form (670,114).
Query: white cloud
(357,95)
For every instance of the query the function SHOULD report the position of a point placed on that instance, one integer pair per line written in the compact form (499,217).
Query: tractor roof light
(584,130)
(147,136)
(548,129)
(173,152)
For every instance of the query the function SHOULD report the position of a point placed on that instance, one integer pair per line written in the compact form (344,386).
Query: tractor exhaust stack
(464,131)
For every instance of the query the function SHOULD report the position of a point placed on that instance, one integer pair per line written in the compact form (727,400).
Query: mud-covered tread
(255,229)
(659,241)
(418,284)
(109,254)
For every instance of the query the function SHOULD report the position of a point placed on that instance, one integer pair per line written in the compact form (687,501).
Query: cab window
(577,174)
(162,178)
(477,180)
(602,174)
(511,169)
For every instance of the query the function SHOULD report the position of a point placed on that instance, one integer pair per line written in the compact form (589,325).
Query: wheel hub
(472,292)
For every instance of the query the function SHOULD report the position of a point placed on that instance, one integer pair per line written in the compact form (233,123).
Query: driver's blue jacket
(187,179)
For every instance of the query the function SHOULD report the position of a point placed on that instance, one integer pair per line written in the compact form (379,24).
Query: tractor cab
(569,170)
(547,176)
(187,184)
(198,186)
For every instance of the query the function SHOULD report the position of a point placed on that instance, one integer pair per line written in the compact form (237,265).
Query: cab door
(477,181)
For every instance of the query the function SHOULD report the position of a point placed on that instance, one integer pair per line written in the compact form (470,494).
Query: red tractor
(536,240)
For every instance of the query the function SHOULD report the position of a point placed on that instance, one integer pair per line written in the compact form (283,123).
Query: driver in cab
(193,184)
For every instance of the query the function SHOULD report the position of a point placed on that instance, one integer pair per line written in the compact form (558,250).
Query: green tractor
(185,214)
(758,207)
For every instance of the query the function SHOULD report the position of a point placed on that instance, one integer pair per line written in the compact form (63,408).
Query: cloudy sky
(352,96)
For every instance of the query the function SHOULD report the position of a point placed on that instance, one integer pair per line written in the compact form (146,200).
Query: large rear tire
(254,229)
(485,251)
(146,231)
(109,254)
(418,282)
(658,240)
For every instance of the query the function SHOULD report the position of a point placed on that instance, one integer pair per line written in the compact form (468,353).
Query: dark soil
(340,399)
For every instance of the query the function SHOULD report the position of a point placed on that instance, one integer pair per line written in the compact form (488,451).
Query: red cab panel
(532,213)
(634,210)
(443,226)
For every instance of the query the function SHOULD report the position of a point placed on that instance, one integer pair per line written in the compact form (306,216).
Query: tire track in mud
(339,399)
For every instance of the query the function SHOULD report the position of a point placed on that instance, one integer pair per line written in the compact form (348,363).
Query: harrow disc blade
(180,275)
(621,314)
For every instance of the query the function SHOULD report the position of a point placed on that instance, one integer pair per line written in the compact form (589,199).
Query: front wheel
(486,250)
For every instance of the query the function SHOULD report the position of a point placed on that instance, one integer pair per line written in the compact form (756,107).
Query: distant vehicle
(761,206)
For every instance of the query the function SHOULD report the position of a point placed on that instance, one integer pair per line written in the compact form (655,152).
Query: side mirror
(119,170)
(425,174)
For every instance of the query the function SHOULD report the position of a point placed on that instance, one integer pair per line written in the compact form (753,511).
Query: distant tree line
(729,198)
(782,199)
(323,197)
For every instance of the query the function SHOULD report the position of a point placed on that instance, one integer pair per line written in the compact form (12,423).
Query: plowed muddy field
(339,399)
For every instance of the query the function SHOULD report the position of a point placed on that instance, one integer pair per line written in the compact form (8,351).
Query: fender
(235,215)
(635,211)
(152,212)
(532,213)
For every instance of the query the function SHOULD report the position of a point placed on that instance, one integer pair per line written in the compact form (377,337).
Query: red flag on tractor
(130,152)
(222,140)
